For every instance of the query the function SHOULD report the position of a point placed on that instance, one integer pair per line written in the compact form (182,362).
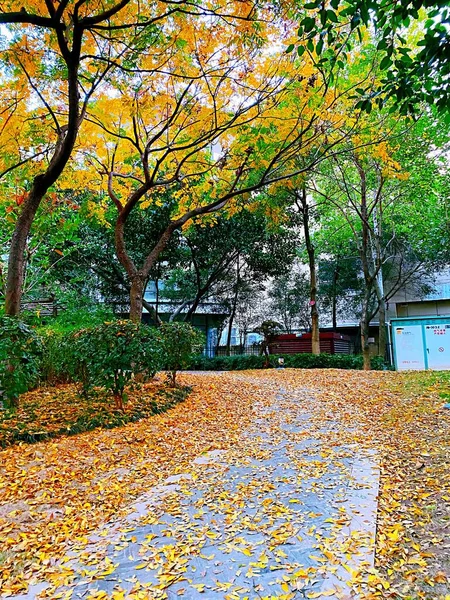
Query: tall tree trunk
(230,330)
(334,297)
(365,332)
(379,282)
(233,309)
(315,333)
(364,251)
(63,150)
(157,297)
(136,298)
(382,341)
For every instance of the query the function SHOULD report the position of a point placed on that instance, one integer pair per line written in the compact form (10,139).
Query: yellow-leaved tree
(210,123)
(58,57)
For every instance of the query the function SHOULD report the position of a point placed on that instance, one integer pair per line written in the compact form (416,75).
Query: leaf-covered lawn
(61,410)
(54,493)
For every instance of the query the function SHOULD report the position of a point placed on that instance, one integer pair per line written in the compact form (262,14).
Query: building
(407,302)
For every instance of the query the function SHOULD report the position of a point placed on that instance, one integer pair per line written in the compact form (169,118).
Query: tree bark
(379,281)
(365,332)
(382,341)
(17,259)
(136,298)
(364,250)
(66,140)
(315,333)
(334,297)
(233,310)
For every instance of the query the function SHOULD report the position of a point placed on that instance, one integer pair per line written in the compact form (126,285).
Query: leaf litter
(56,494)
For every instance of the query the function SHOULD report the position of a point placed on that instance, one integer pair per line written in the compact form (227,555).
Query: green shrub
(74,318)
(296,361)
(323,361)
(20,356)
(110,355)
(179,342)
(56,358)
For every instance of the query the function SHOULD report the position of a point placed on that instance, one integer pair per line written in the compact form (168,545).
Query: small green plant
(179,342)
(20,356)
(111,355)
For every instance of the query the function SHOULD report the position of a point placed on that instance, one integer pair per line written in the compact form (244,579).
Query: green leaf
(308,24)
(332,16)
(385,63)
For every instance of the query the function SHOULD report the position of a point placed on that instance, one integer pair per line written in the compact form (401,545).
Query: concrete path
(281,516)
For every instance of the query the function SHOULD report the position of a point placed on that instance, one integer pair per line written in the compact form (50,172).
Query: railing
(245,349)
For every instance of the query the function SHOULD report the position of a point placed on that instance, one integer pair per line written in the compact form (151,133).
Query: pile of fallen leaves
(49,412)
(401,416)
(54,494)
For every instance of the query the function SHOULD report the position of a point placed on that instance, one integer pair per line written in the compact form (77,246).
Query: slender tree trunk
(334,297)
(230,325)
(382,341)
(190,313)
(364,250)
(379,282)
(365,332)
(233,309)
(315,333)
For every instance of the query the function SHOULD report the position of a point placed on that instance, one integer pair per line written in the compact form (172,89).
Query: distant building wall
(423,308)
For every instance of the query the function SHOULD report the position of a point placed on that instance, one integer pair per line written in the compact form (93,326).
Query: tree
(55,236)
(92,268)
(251,309)
(267,329)
(262,248)
(377,197)
(51,71)
(58,57)
(411,40)
(304,208)
(174,149)
(340,286)
(289,303)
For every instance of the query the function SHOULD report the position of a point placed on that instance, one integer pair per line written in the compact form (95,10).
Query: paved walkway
(280,516)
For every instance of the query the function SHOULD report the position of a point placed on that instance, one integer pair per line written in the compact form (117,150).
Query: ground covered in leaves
(63,410)
(53,494)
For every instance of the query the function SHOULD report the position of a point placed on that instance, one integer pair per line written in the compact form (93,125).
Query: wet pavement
(283,515)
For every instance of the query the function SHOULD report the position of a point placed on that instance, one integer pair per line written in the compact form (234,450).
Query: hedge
(296,361)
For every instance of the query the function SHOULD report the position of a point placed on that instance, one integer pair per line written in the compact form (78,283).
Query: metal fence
(246,349)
